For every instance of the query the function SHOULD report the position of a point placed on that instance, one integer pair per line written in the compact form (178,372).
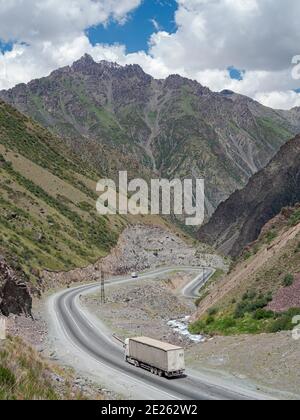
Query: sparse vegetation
(255,322)
(250,303)
(249,315)
(48,217)
(25,376)
(295,218)
(271,235)
(204,292)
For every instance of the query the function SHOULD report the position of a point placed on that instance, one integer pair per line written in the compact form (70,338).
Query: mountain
(48,216)
(239,220)
(48,219)
(120,118)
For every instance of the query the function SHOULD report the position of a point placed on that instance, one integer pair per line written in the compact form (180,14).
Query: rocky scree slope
(239,220)
(120,118)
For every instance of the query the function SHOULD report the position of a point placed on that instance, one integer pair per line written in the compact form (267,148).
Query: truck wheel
(136,364)
(155,372)
(160,373)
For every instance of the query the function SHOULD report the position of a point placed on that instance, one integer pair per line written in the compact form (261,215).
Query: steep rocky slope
(121,118)
(239,220)
(15,296)
(262,291)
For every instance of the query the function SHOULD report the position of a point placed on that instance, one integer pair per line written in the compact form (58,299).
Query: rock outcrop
(239,221)
(15,296)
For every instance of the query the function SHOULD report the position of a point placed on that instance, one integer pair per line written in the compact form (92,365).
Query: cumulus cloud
(258,36)
(53,20)
(279,100)
(249,34)
(50,33)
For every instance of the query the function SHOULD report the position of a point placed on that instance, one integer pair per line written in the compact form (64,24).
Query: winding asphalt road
(80,331)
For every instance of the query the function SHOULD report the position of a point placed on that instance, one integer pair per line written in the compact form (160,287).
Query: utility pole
(103,299)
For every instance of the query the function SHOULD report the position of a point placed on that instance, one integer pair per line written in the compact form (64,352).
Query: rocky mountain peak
(128,116)
(84,63)
(227,92)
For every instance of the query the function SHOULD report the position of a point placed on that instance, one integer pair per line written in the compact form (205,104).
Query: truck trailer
(159,358)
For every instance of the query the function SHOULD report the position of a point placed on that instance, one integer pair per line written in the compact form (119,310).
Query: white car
(134,275)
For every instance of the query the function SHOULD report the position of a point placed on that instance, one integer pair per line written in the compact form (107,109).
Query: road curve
(82,333)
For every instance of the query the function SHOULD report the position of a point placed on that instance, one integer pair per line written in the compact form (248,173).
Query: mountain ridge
(239,220)
(120,118)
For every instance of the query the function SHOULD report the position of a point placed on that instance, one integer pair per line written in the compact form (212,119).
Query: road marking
(92,286)
(136,381)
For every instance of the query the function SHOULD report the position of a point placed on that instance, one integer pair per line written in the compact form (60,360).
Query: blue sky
(5,46)
(136,32)
(151,16)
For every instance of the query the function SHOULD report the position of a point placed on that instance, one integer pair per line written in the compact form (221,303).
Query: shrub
(251,303)
(295,218)
(247,255)
(284,321)
(212,311)
(210,320)
(228,323)
(197,327)
(7,378)
(271,235)
(281,324)
(288,280)
(263,314)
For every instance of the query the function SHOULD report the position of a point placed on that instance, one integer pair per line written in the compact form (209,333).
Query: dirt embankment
(269,360)
(287,297)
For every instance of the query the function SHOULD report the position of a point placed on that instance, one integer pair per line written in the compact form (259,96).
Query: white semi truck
(159,358)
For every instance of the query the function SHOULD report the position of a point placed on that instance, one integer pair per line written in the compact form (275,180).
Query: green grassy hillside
(262,291)
(48,218)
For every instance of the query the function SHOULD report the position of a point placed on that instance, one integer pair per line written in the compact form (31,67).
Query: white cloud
(53,20)
(259,36)
(50,33)
(279,100)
